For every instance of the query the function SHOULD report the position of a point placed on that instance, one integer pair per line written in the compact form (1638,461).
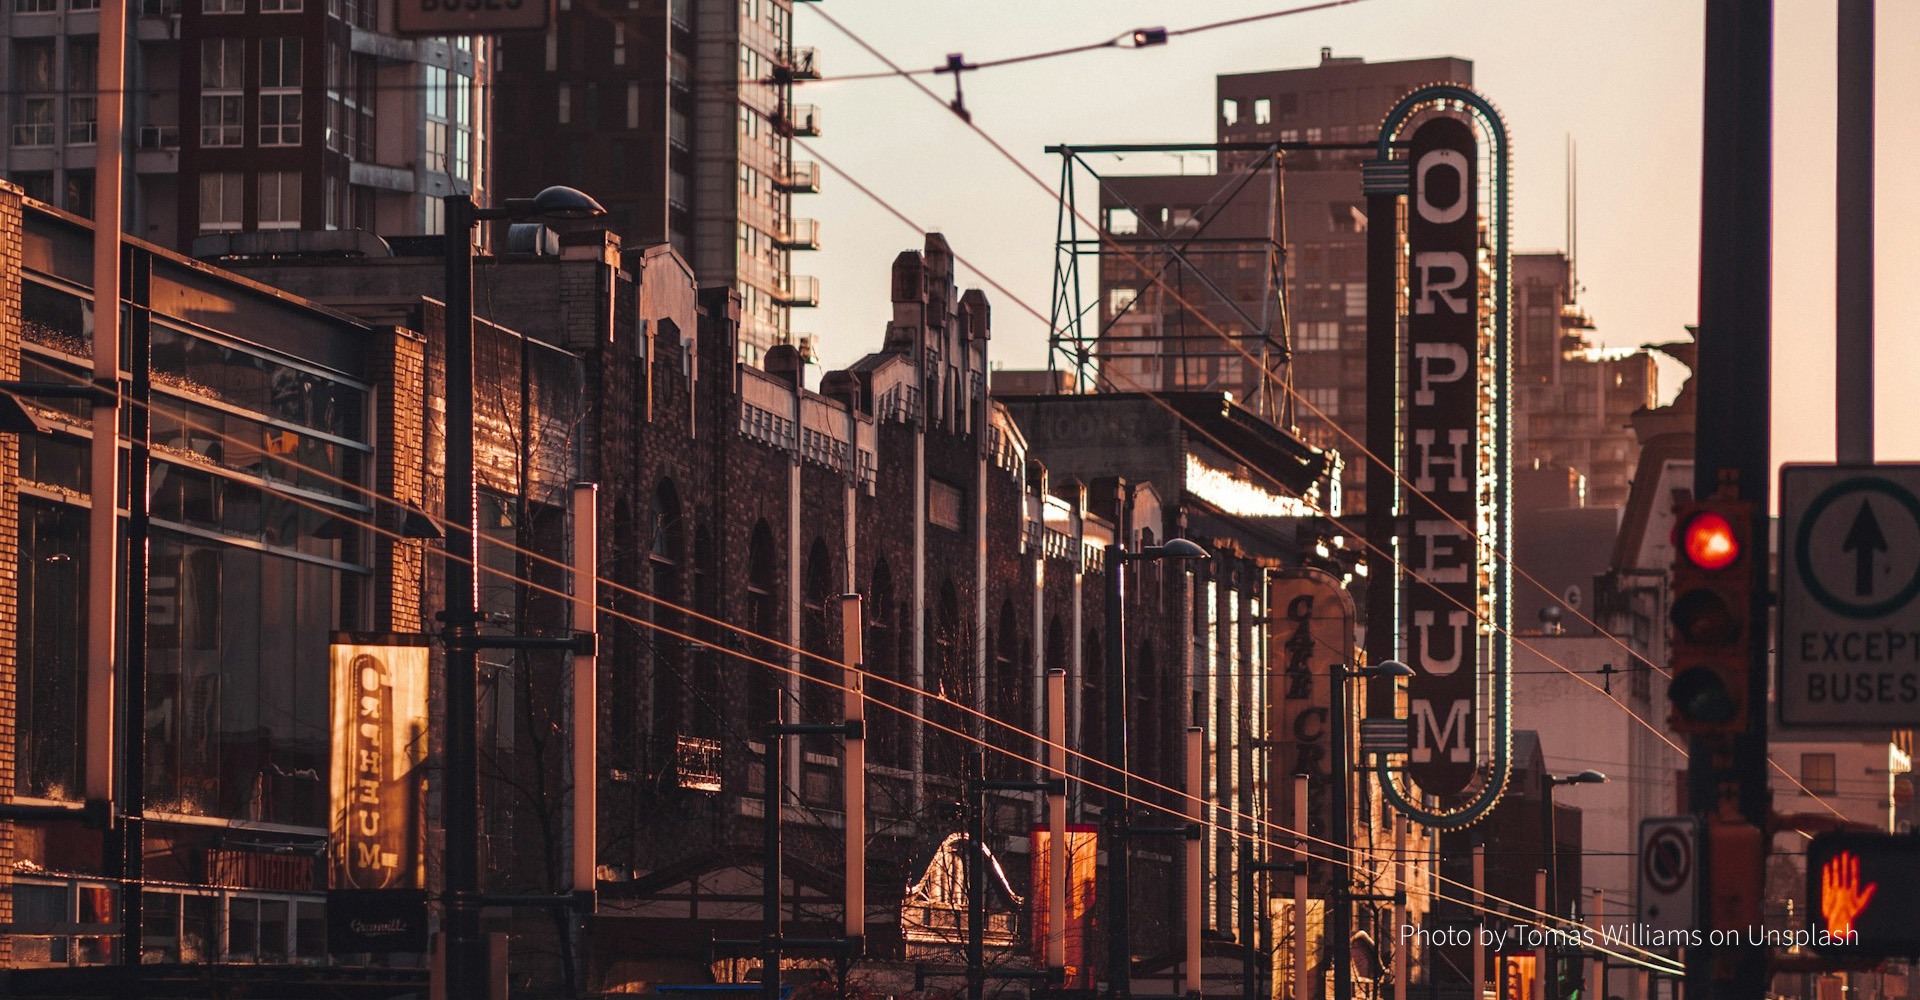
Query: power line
(1373,855)
(1298,397)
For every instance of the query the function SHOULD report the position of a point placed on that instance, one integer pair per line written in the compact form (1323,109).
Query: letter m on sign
(1448,739)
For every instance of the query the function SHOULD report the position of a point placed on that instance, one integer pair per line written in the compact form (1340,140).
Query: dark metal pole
(133,699)
(1340,920)
(1247,949)
(977,878)
(1853,231)
(771,799)
(1119,956)
(1383,400)
(465,953)
(1550,858)
(1734,410)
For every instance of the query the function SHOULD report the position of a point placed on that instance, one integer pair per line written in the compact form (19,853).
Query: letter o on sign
(1451,159)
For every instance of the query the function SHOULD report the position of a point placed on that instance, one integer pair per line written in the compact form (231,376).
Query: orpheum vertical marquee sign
(1442,455)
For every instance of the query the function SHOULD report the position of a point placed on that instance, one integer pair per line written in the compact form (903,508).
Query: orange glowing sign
(1082,855)
(1842,897)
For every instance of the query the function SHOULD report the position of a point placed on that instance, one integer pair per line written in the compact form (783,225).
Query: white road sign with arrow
(1849,649)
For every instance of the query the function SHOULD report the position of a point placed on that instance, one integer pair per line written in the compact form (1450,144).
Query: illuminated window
(1817,773)
(1262,111)
(1230,111)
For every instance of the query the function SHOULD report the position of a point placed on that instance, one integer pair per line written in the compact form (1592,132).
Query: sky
(1621,79)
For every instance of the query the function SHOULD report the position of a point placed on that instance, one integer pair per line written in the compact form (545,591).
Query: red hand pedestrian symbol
(1841,896)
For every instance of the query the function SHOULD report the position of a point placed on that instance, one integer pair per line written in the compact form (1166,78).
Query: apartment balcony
(801,291)
(802,64)
(802,178)
(801,234)
(799,120)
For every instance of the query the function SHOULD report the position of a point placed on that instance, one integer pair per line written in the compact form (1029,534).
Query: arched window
(1093,701)
(947,681)
(1005,681)
(762,684)
(707,716)
(665,556)
(631,643)
(883,661)
(819,697)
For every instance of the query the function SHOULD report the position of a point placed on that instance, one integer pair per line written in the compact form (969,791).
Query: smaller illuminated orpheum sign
(1442,454)
(1311,638)
(1083,849)
(375,856)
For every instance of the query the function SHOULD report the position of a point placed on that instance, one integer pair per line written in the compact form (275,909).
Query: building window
(438,125)
(619,44)
(1319,335)
(1325,402)
(279,6)
(221,62)
(565,109)
(1230,111)
(1817,773)
(280,199)
(633,104)
(462,126)
(34,115)
(280,92)
(223,6)
(221,195)
(35,6)
(1262,110)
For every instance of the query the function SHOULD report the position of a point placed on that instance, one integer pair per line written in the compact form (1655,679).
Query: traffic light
(1712,602)
(1862,889)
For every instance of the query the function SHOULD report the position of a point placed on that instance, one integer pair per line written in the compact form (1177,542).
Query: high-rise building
(1169,337)
(1220,256)
(248,115)
(1575,401)
(678,116)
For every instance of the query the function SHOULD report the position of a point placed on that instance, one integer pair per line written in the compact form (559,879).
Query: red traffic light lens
(1708,541)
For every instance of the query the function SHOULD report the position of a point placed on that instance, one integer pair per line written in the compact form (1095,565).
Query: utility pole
(1733,440)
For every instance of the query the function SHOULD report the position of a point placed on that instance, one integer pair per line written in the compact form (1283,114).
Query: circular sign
(1667,861)
(1852,525)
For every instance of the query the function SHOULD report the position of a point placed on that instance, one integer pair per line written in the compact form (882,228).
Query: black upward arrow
(1863,540)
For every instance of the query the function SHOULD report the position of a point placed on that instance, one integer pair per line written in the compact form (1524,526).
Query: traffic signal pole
(1732,435)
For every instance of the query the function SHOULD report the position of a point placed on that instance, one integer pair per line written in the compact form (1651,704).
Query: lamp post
(1550,847)
(1342,930)
(460,816)
(1119,794)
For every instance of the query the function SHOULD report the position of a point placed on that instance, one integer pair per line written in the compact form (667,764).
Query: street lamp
(465,957)
(1342,931)
(1551,848)
(1119,957)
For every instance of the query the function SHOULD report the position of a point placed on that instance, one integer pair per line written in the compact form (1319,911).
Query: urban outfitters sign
(1442,419)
